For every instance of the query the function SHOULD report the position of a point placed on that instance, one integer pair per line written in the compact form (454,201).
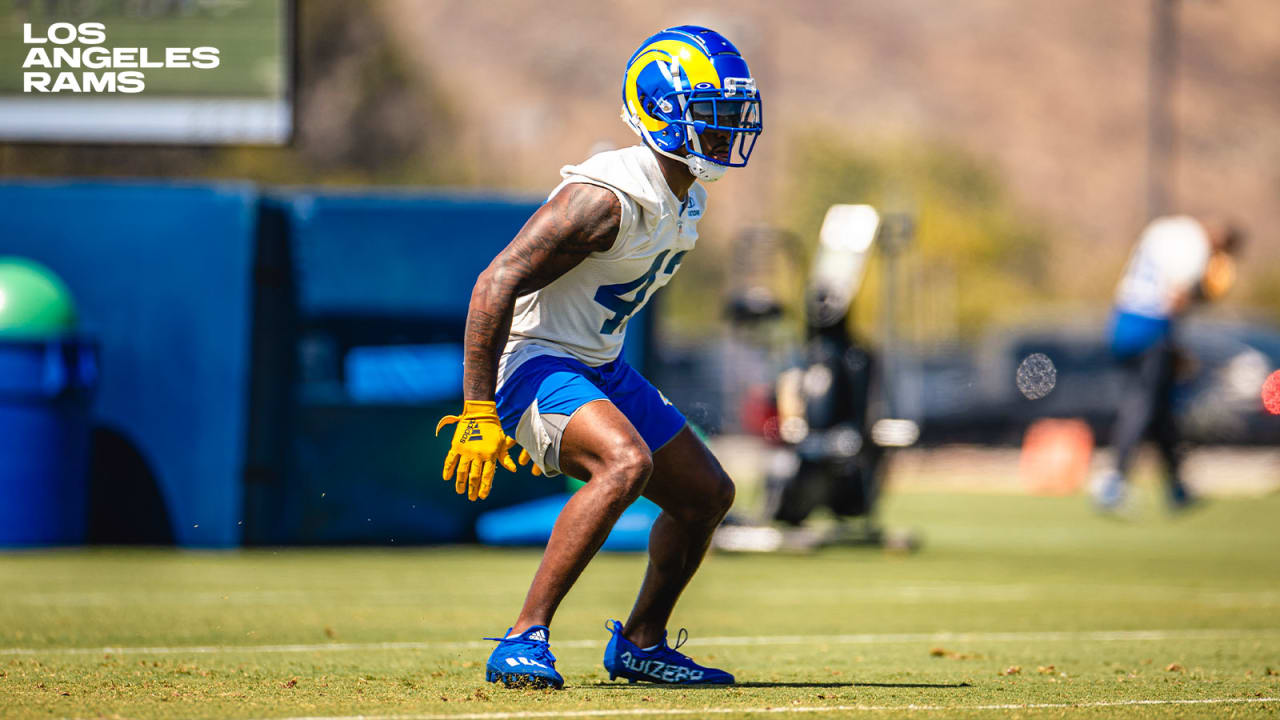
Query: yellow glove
(1219,276)
(524,460)
(478,444)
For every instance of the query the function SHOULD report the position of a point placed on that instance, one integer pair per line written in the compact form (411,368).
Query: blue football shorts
(541,395)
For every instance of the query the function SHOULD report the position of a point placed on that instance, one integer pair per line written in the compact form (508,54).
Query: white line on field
(801,709)
(99,598)
(729,640)
(898,594)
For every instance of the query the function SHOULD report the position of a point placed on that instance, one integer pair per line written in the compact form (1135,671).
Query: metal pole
(1162,62)
(897,232)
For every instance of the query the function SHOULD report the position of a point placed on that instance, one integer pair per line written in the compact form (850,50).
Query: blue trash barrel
(45,391)
(47,378)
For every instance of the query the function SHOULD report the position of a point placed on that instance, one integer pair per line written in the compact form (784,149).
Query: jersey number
(611,296)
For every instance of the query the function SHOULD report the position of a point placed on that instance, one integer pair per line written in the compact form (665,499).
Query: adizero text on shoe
(524,660)
(663,664)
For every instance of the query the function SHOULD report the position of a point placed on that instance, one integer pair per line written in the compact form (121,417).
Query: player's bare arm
(579,220)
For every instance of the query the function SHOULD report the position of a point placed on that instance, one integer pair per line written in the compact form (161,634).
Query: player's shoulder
(587,210)
(588,202)
(1174,226)
(1178,234)
(622,172)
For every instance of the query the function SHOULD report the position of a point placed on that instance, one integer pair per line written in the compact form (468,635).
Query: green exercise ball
(34,303)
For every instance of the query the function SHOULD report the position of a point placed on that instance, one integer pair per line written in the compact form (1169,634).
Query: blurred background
(259,274)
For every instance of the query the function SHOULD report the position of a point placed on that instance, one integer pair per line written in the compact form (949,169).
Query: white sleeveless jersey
(1170,258)
(583,314)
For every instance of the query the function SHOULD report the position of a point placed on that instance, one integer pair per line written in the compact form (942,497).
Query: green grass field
(1013,602)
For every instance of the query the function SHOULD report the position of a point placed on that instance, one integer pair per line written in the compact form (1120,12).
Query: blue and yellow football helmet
(687,89)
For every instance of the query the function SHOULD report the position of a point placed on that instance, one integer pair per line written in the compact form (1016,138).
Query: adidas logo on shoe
(524,660)
(518,661)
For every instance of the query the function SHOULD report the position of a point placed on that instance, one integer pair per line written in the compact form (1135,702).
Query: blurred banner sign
(175,72)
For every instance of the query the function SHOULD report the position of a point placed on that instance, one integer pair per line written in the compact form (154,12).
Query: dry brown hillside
(1050,94)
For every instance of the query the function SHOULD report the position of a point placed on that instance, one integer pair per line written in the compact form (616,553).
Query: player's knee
(726,491)
(719,500)
(709,507)
(629,468)
(636,466)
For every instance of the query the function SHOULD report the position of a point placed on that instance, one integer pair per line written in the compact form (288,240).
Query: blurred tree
(975,259)
(365,114)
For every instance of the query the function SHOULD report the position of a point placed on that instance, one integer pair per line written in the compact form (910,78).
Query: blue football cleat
(1110,494)
(1181,499)
(662,664)
(524,660)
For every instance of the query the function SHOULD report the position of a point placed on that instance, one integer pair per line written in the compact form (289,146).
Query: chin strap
(704,169)
(700,167)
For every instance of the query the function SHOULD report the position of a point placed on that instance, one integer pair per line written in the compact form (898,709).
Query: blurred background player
(1179,261)
(544,332)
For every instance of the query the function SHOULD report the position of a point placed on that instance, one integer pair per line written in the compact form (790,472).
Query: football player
(542,367)
(1179,260)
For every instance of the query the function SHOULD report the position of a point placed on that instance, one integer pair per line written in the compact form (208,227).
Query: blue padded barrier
(161,274)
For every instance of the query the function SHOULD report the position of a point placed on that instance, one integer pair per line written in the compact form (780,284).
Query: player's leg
(694,493)
(1138,402)
(600,447)
(554,409)
(1164,429)
(1137,405)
